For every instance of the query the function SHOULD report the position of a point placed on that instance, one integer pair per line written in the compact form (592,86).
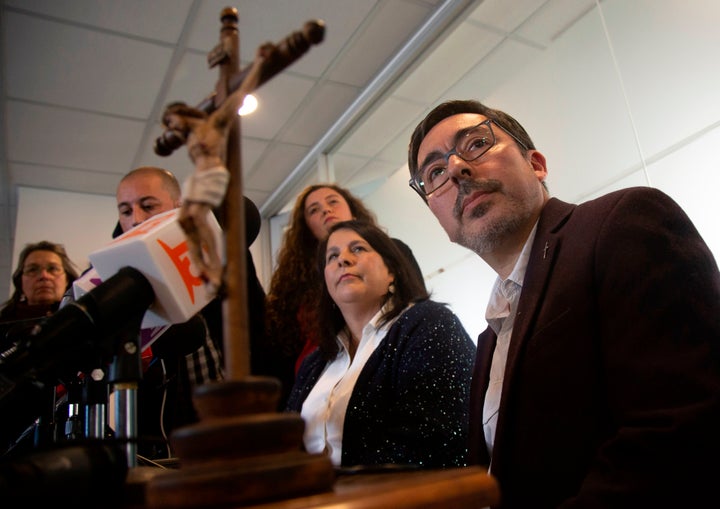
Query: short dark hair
(450,108)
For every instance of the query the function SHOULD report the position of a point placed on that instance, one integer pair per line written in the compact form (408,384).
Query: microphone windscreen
(158,249)
(152,326)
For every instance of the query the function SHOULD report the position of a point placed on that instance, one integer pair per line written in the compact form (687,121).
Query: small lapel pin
(547,245)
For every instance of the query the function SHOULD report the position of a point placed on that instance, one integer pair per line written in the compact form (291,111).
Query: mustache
(467,187)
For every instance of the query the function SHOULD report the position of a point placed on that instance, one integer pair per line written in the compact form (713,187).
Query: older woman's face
(44,279)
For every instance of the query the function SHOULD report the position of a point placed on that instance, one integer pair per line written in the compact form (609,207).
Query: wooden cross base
(241,452)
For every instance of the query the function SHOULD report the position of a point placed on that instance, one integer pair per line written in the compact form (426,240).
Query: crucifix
(211,132)
(240,440)
(242,452)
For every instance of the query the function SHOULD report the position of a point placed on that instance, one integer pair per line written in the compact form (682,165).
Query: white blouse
(324,409)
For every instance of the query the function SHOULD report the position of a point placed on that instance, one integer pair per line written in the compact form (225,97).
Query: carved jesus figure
(206,139)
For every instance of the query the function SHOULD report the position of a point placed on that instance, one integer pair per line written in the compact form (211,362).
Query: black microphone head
(117,231)
(253,221)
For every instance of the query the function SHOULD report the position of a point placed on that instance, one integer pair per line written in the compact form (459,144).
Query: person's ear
(538,164)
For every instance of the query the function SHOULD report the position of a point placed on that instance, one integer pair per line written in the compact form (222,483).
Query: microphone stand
(73,423)
(46,427)
(95,397)
(125,375)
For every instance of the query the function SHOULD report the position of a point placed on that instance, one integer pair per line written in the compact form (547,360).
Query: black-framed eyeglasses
(470,144)
(35,270)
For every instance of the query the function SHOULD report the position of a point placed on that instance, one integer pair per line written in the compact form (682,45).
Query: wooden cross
(226,55)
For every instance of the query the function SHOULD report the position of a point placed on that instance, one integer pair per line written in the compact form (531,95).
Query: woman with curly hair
(296,285)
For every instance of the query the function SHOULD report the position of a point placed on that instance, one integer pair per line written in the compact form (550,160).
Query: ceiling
(85,83)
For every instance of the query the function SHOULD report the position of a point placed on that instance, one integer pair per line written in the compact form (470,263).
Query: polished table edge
(455,488)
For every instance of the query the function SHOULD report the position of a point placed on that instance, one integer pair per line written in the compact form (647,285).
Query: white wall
(82,222)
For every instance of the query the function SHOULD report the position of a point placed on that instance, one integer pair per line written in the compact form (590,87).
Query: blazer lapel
(546,246)
(478,451)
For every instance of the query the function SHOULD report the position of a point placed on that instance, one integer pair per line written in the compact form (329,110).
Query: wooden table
(457,488)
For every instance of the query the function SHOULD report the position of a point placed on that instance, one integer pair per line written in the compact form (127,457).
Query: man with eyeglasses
(597,381)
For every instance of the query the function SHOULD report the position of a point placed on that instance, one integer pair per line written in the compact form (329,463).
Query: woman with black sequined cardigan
(390,381)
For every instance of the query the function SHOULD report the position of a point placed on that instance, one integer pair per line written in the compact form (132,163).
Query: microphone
(74,474)
(160,289)
(151,327)
(70,341)
(158,248)
(253,221)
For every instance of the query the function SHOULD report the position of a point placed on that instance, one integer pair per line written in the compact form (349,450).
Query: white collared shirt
(500,315)
(324,409)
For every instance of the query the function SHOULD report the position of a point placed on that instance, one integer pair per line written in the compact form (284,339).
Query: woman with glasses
(389,383)
(43,274)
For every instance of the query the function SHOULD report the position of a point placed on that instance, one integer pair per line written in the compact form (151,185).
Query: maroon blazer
(611,396)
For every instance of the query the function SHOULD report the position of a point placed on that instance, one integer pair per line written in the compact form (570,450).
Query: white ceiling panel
(278,98)
(67,139)
(190,81)
(550,21)
(503,15)
(86,82)
(383,34)
(159,19)
(273,20)
(320,109)
(252,151)
(73,59)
